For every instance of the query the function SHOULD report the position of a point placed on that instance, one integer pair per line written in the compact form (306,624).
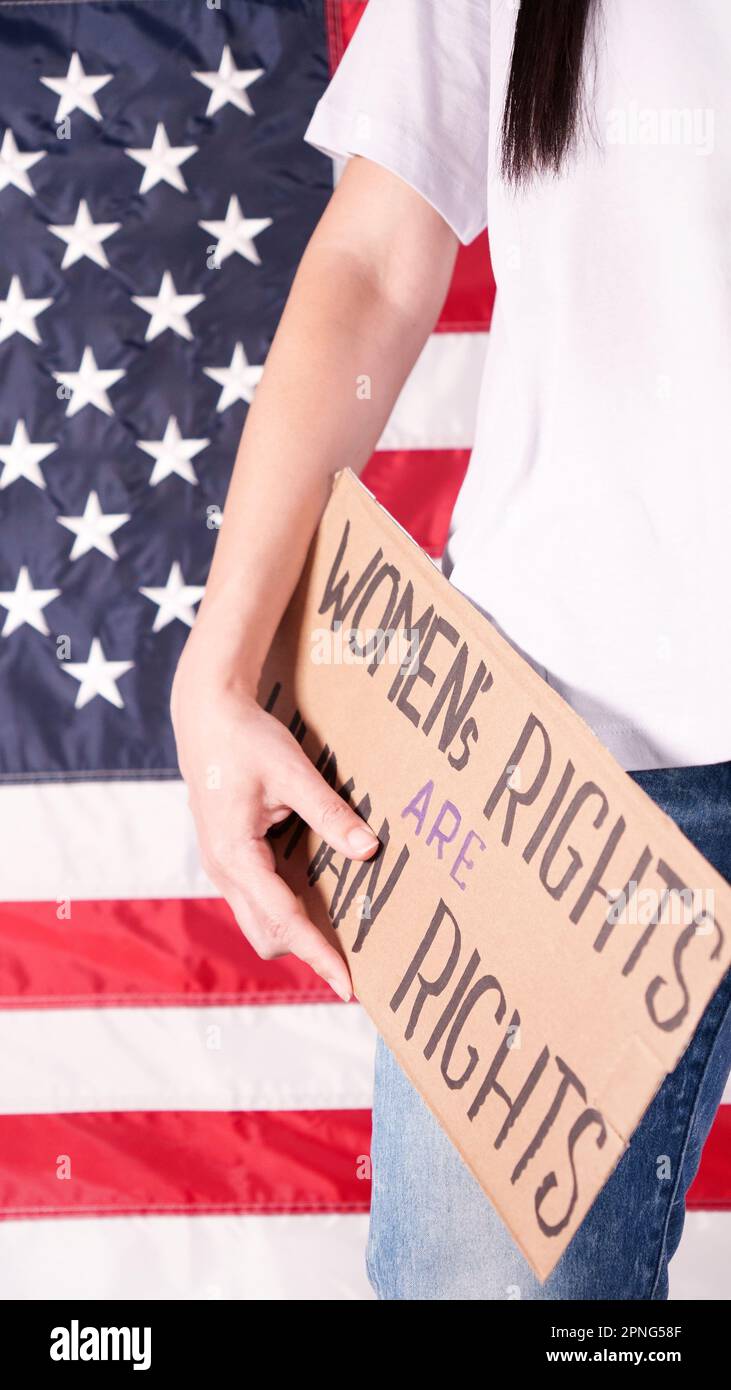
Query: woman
(591,526)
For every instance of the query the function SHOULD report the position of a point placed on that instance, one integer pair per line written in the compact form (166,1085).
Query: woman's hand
(245,772)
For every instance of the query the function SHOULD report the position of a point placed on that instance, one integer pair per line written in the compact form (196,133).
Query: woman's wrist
(216,663)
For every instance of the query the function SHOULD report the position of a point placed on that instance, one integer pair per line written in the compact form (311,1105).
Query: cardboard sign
(535,940)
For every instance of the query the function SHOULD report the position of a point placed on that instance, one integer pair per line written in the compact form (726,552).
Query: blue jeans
(433,1233)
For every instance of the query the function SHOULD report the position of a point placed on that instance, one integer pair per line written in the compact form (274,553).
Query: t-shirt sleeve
(412,93)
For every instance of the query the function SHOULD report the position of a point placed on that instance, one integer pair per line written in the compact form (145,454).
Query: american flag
(205,1113)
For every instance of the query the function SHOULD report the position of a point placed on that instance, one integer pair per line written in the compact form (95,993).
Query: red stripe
(419,488)
(162,951)
(711,1190)
(191,1162)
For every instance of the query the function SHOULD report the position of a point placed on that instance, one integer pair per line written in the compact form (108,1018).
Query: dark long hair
(543,101)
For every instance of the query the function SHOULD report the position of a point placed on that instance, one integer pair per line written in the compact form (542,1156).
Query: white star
(176,600)
(228,84)
(167,309)
(172,454)
(84,237)
(13,165)
(93,530)
(20,458)
(97,676)
(17,313)
(236,233)
(162,161)
(88,385)
(239,380)
(76,90)
(24,604)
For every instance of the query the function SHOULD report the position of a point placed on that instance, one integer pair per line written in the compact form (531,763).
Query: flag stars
(238,381)
(235,234)
(14,165)
(97,676)
(21,459)
(84,237)
(89,385)
(176,600)
(162,161)
(77,90)
(173,454)
(18,314)
(93,529)
(168,309)
(25,605)
(228,85)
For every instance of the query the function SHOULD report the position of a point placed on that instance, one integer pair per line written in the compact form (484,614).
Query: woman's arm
(366,295)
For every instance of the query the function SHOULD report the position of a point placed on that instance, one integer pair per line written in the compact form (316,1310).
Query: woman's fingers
(307,793)
(274,922)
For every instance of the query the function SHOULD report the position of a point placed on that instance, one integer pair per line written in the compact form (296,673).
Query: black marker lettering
(483,986)
(557,890)
(589,1117)
(568,1079)
(504,786)
(428,987)
(550,812)
(593,883)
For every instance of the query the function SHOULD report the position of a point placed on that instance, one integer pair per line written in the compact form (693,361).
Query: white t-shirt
(593,524)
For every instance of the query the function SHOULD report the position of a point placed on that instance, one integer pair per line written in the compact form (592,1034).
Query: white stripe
(99,840)
(279,1057)
(437,408)
(272,1258)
